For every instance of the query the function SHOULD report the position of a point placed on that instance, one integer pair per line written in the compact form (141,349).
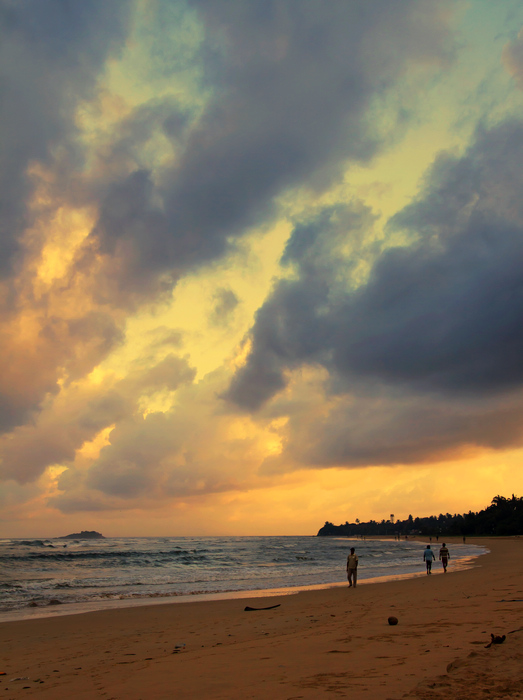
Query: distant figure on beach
(444,556)
(428,558)
(352,568)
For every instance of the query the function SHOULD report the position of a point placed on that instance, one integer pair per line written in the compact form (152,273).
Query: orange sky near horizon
(260,264)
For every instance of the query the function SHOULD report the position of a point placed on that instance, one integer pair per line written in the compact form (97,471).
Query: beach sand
(333,643)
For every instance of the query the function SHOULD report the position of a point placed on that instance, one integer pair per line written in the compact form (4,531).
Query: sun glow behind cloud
(240,246)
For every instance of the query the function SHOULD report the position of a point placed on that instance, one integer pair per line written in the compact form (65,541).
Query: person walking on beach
(428,558)
(444,556)
(352,568)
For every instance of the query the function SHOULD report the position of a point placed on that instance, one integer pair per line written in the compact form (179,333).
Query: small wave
(30,543)
(182,556)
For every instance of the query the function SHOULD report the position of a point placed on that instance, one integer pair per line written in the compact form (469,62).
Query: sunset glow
(261,263)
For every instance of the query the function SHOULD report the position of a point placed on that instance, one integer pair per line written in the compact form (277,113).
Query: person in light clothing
(428,558)
(352,568)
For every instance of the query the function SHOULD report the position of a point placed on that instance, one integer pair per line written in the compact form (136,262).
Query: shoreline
(315,644)
(78,608)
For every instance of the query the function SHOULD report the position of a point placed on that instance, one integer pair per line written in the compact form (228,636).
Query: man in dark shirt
(352,568)
(444,556)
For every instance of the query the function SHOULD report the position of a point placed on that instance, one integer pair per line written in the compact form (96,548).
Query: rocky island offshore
(84,535)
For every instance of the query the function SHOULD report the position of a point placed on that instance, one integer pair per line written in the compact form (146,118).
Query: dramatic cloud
(290,88)
(176,173)
(38,350)
(438,317)
(291,84)
(377,425)
(80,414)
(50,55)
(189,450)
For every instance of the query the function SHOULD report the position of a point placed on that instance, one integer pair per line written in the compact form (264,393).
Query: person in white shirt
(428,558)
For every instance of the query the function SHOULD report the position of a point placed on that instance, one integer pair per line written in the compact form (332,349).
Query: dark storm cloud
(290,86)
(51,52)
(297,325)
(442,315)
(291,83)
(377,425)
(288,332)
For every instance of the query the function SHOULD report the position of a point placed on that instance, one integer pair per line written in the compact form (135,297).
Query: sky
(261,263)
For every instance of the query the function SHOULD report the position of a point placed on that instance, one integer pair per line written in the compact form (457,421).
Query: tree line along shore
(504,516)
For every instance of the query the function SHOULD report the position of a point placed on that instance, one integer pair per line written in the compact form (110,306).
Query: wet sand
(332,643)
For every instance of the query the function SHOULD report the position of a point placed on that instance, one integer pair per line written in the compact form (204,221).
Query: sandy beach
(317,644)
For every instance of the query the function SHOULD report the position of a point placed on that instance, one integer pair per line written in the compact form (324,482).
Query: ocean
(39,578)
